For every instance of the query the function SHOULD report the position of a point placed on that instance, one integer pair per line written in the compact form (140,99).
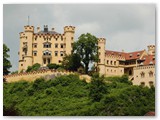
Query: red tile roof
(127,56)
(149,59)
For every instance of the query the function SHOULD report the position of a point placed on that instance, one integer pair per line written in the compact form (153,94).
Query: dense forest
(70,96)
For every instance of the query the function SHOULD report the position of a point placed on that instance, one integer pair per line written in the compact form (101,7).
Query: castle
(44,46)
(47,46)
(139,65)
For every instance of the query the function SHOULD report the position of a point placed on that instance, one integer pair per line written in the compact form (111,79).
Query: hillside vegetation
(69,96)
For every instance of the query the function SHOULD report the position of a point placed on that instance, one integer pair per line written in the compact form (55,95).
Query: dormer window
(151,63)
(138,54)
(130,55)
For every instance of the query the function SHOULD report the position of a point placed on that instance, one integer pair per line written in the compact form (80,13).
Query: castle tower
(151,49)
(101,51)
(69,38)
(25,52)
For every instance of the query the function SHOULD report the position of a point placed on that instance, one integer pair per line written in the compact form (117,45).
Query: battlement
(151,46)
(31,76)
(116,57)
(69,29)
(101,40)
(144,67)
(29,28)
(49,36)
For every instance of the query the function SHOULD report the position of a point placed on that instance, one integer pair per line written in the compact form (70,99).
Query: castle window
(71,38)
(99,60)
(114,62)
(142,74)
(61,45)
(49,61)
(34,45)
(111,62)
(59,61)
(114,70)
(56,45)
(107,61)
(21,64)
(142,84)
(47,45)
(56,53)
(34,53)
(150,74)
(61,53)
(150,83)
(44,61)
(46,52)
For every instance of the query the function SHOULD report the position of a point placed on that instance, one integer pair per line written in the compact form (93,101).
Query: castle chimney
(52,29)
(38,29)
(45,28)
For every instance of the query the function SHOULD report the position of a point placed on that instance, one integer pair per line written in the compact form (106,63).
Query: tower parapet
(29,28)
(69,29)
(151,49)
(101,40)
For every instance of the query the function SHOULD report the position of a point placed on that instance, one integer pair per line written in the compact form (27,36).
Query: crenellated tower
(69,38)
(151,49)
(101,51)
(25,52)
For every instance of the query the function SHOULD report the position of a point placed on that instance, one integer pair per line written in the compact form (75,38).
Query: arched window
(111,62)
(142,74)
(150,74)
(150,83)
(142,84)
(46,52)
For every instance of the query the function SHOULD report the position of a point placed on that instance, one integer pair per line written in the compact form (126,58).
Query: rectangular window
(56,45)
(56,53)
(49,61)
(44,61)
(34,53)
(61,45)
(61,53)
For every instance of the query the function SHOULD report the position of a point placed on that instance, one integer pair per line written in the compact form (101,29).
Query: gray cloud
(125,26)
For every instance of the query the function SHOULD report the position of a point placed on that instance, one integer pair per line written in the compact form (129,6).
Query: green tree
(87,48)
(72,62)
(6,62)
(35,67)
(97,88)
(14,72)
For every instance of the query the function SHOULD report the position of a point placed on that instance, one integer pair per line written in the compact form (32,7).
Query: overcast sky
(128,27)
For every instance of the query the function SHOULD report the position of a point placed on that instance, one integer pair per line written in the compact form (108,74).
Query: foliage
(69,96)
(97,88)
(14,72)
(72,62)
(6,62)
(35,67)
(87,48)
(53,66)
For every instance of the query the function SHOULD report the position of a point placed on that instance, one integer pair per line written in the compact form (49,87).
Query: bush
(53,66)
(97,87)
(35,67)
